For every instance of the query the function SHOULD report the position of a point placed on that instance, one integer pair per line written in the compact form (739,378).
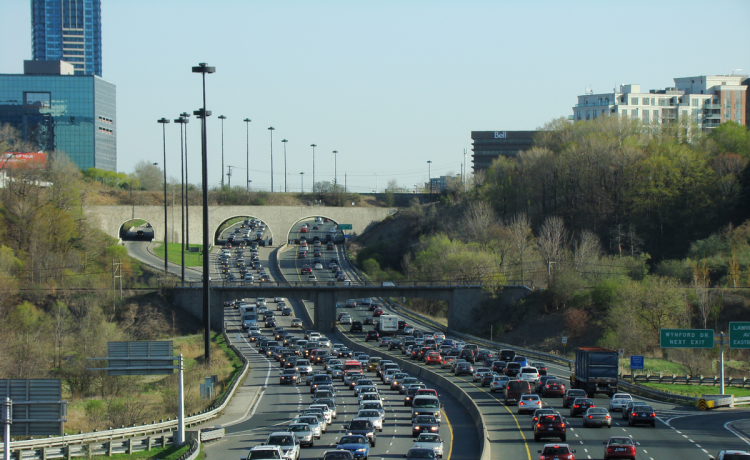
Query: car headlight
(361,449)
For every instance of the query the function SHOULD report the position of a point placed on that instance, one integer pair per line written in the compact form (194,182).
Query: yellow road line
(450,429)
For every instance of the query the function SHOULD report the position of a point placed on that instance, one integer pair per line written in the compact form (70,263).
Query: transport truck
(595,371)
(388,325)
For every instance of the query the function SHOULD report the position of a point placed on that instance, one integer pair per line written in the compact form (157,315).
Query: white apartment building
(707,100)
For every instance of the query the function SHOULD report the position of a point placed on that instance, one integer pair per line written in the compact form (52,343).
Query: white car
(529,374)
(265,452)
(430,441)
(314,423)
(479,373)
(278,299)
(619,401)
(529,403)
(327,412)
(346,319)
(318,266)
(373,416)
(287,442)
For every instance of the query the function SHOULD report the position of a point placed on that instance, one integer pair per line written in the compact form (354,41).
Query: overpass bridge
(279,219)
(462,297)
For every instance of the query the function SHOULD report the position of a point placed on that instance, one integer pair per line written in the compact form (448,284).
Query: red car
(553,387)
(377,312)
(433,358)
(303,230)
(619,447)
(306,269)
(557,452)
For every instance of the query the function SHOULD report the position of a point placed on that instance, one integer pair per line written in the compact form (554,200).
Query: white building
(707,100)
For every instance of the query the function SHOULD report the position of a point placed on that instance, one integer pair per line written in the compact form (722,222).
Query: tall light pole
(163,122)
(285,173)
(302,181)
(186,116)
(335,168)
(182,121)
(203,69)
(429,174)
(247,168)
(222,118)
(313,147)
(271,129)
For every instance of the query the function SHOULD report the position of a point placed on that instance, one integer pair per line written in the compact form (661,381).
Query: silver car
(304,433)
(498,383)
(312,422)
(374,405)
(373,416)
(430,441)
(303,366)
(619,401)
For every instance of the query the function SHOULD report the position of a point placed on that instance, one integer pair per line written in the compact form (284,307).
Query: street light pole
(186,117)
(302,181)
(222,118)
(313,147)
(271,129)
(285,173)
(335,168)
(429,175)
(163,122)
(182,121)
(247,168)
(203,69)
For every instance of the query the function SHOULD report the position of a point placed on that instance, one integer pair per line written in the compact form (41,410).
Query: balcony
(716,116)
(712,106)
(595,104)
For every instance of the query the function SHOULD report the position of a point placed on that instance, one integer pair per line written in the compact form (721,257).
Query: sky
(389,84)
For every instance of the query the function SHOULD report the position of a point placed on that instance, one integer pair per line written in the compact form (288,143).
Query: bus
(249,315)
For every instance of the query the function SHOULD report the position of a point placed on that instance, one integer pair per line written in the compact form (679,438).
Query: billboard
(19,160)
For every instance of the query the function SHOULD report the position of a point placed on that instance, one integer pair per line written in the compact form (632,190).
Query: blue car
(522,360)
(356,444)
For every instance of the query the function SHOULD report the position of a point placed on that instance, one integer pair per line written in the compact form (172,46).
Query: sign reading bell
(499,135)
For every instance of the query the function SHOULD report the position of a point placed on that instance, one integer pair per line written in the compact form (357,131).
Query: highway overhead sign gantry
(687,338)
(739,334)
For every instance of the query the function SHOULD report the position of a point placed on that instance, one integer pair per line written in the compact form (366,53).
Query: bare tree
(479,220)
(522,237)
(552,241)
(587,249)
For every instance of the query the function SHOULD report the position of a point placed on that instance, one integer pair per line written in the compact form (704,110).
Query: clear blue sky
(389,84)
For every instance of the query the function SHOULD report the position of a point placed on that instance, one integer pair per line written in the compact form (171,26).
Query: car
(488,378)
(289,376)
(405,383)
(618,401)
(288,443)
(463,369)
(346,319)
(597,416)
(621,447)
(303,229)
(571,396)
(550,426)
(479,373)
(318,266)
(538,413)
(581,405)
(351,303)
(433,358)
(542,380)
(424,424)
(541,367)
(557,452)
(529,374)
(372,415)
(304,433)
(337,455)
(378,312)
(385,341)
(315,423)
(296,322)
(642,414)
(356,326)
(373,405)
(628,406)
(418,453)
(430,441)
(302,366)
(356,444)
(529,403)
(312,277)
(396,344)
(411,391)
(512,369)
(361,427)
(553,387)
(498,383)
(499,367)
(514,390)
(264,452)
(447,361)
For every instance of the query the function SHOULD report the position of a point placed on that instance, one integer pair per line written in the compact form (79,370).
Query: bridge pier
(325,310)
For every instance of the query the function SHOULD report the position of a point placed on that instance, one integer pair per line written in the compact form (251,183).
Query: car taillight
(591,416)
(610,449)
(547,386)
(633,414)
(562,425)
(575,405)
(653,414)
(538,424)
(592,405)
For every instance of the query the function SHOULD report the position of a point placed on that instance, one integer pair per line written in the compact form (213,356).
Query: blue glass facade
(68,30)
(64,113)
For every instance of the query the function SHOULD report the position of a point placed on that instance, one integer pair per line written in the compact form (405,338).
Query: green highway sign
(739,334)
(687,338)
(345,226)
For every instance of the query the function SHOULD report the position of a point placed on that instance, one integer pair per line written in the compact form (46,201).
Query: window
(645,116)
(634,113)
(694,102)
(624,113)
(645,101)
(595,113)
(656,116)
(633,101)
(653,101)
(684,114)
(696,114)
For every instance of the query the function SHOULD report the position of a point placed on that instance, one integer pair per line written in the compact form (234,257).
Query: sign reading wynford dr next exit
(687,338)
(739,334)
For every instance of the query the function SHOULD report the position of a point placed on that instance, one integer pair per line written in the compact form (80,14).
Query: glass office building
(68,30)
(74,114)
(489,145)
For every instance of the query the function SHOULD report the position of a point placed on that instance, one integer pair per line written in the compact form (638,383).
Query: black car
(572,395)
(368,321)
(581,405)
(362,427)
(372,335)
(289,376)
(468,355)
(642,415)
(395,345)
(270,322)
(499,367)
(356,326)
(424,424)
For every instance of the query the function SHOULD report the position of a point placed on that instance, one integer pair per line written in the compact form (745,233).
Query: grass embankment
(158,453)
(192,259)
(698,390)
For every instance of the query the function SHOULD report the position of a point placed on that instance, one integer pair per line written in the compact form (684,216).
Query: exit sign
(687,338)
(345,226)
(739,334)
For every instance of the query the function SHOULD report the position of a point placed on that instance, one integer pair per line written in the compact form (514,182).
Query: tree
(149,175)
(587,249)
(522,237)
(732,137)
(479,220)
(552,241)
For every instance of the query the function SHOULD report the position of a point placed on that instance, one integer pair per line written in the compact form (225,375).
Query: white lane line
(691,441)
(698,446)
(684,436)
(585,450)
(704,450)
(645,451)
(679,432)
(576,435)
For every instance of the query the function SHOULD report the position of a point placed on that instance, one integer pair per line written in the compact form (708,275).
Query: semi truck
(595,371)
(388,325)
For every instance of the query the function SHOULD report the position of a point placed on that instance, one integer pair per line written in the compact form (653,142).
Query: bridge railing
(307,284)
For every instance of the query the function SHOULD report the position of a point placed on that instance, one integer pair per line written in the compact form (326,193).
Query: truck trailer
(595,371)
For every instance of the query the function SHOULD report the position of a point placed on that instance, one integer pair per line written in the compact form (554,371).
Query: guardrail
(687,380)
(634,388)
(390,285)
(744,401)
(61,445)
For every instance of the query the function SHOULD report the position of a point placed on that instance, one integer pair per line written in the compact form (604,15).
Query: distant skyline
(388,84)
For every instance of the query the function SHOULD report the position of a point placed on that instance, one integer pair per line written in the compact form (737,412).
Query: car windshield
(420,453)
(289,372)
(300,427)
(626,397)
(428,438)
(309,420)
(576,393)
(642,409)
(424,419)
(598,411)
(280,440)
(556,450)
(620,442)
(360,425)
(352,440)
(258,454)
(368,413)
(426,403)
